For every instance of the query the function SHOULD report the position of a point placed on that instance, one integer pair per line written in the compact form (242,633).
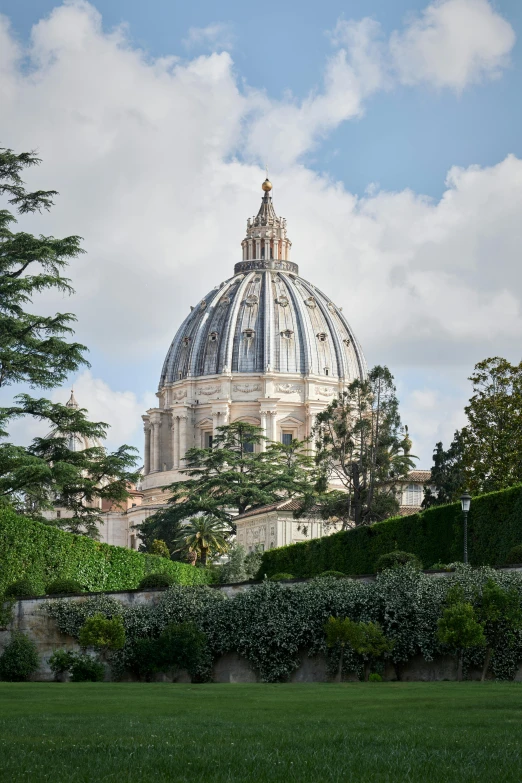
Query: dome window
(287,334)
(331,307)
(322,337)
(327,371)
(186,341)
(249,334)
(347,341)
(213,337)
(282,301)
(310,302)
(203,305)
(251,300)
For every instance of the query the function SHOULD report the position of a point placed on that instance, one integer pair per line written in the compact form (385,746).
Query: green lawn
(427,732)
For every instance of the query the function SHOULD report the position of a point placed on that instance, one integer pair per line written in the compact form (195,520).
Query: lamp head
(465,502)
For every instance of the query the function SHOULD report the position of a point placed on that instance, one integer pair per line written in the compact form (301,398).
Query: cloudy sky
(393,136)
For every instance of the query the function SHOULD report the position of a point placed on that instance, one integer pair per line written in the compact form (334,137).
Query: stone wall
(30,617)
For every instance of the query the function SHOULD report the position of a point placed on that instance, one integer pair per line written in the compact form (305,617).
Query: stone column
(182,438)
(146,466)
(263,429)
(276,248)
(175,441)
(258,248)
(155,444)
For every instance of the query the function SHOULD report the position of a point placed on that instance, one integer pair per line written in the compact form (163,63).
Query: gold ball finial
(267,185)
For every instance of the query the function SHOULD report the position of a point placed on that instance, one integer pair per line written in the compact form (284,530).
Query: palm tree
(203,535)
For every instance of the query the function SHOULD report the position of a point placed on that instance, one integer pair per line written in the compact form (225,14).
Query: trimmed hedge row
(435,536)
(42,553)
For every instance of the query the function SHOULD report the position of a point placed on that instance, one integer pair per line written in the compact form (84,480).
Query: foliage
(230,479)
(281,577)
(360,443)
(448,477)
(99,631)
(459,629)
(514,556)
(159,548)
(335,574)
(84,668)
(203,535)
(272,624)
(493,435)
(19,659)
(233,570)
(395,559)
(253,562)
(61,662)
(22,588)
(374,677)
(58,586)
(434,535)
(180,646)
(500,615)
(156,581)
(42,554)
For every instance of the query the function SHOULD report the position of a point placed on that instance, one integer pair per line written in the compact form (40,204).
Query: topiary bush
(156,581)
(60,586)
(19,659)
(515,555)
(335,574)
(281,577)
(395,559)
(374,677)
(22,588)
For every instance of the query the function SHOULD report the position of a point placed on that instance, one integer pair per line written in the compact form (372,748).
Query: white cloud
(217,35)
(147,153)
(453,43)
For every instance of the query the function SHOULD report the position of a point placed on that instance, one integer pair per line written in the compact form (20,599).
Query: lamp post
(465,502)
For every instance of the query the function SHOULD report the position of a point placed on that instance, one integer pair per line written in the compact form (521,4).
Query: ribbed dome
(264,321)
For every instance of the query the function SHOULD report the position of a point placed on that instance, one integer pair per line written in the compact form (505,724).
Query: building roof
(265,318)
(419,476)
(283,505)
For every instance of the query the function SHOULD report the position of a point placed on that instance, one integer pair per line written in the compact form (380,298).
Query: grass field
(436,732)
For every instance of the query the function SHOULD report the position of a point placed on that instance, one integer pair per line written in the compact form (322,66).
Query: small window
(213,337)
(322,337)
(287,334)
(249,334)
(287,438)
(209,439)
(186,341)
(326,371)
(248,447)
(58,514)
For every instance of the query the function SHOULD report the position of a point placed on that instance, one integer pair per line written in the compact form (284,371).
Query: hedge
(435,536)
(41,553)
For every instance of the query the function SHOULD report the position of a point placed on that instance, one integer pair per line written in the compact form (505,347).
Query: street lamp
(465,502)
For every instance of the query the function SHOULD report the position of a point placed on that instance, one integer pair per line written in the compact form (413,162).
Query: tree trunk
(204,552)
(366,671)
(486,664)
(459,666)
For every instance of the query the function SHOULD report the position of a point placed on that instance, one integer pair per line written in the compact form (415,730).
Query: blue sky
(426,267)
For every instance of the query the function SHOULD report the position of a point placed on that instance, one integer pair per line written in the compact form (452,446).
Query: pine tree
(448,475)
(361,445)
(231,478)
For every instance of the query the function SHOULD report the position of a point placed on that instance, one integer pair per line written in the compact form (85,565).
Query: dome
(264,320)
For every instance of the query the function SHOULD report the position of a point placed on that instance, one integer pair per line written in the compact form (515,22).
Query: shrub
(43,554)
(335,574)
(180,646)
(374,677)
(397,558)
(19,659)
(514,555)
(61,661)
(20,589)
(434,535)
(60,586)
(459,629)
(156,581)
(86,669)
(99,631)
(281,577)
(160,548)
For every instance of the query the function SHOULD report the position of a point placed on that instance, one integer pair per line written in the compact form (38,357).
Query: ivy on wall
(42,554)
(435,536)
(272,625)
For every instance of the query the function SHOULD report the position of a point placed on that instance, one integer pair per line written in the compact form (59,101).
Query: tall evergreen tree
(361,445)
(448,474)
(231,478)
(36,350)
